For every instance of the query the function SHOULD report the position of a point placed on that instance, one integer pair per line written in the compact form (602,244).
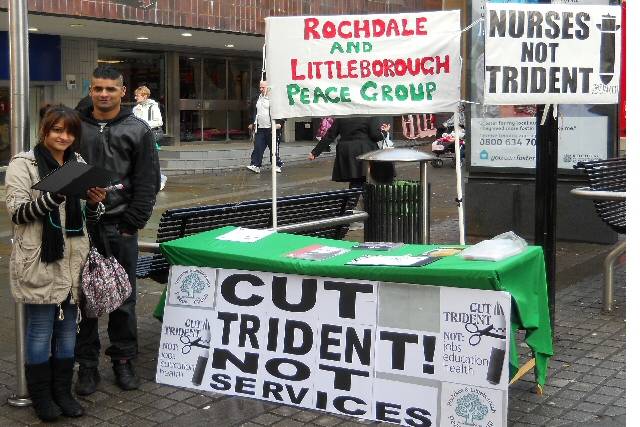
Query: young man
(113,138)
(261,126)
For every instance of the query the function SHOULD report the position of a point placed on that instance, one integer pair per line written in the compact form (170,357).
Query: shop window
(5,144)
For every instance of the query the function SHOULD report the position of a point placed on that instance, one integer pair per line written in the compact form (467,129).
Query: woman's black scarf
(52,239)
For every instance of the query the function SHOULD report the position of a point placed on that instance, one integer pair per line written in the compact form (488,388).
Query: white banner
(397,353)
(552,54)
(344,65)
(510,142)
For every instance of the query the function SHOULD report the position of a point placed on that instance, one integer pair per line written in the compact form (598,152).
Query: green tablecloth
(523,275)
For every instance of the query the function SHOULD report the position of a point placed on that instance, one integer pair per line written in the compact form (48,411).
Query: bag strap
(102,236)
(149,113)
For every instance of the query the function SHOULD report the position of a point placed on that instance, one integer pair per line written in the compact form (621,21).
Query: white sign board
(345,65)
(510,142)
(552,54)
(398,353)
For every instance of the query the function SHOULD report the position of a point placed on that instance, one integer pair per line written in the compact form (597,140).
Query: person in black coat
(358,135)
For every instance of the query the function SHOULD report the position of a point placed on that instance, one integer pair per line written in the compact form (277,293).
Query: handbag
(158,134)
(104,282)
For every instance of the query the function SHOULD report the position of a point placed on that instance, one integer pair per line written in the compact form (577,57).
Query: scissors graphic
(477,334)
(186,348)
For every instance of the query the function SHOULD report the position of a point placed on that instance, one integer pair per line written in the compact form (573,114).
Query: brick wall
(243,16)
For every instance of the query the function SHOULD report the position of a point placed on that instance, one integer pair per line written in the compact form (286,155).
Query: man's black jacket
(126,146)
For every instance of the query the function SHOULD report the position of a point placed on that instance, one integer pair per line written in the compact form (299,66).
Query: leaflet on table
(396,261)
(317,252)
(378,246)
(247,235)
(443,252)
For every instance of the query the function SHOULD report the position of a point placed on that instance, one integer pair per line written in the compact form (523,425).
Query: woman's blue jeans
(46,335)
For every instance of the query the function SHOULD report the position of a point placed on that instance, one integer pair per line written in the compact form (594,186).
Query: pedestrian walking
(50,247)
(358,135)
(113,138)
(148,110)
(261,127)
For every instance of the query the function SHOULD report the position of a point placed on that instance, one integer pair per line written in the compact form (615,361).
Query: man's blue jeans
(46,335)
(261,142)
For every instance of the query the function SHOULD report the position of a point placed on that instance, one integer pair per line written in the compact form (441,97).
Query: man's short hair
(143,90)
(108,72)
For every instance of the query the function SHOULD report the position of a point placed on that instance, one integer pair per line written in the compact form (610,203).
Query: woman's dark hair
(69,118)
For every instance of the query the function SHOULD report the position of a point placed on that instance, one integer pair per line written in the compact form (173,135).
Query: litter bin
(398,210)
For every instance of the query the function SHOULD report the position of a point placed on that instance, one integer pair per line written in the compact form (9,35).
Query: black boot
(87,382)
(126,377)
(39,385)
(62,379)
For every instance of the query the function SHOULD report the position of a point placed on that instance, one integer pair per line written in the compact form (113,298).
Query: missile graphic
(608,30)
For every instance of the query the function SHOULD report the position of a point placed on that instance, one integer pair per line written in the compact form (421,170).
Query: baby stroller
(445,148)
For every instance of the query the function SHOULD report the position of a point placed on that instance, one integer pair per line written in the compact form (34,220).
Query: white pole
(456,130)
(274,193)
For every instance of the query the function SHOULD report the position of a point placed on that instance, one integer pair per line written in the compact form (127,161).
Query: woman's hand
(96,195)
(311,156)
(385,127)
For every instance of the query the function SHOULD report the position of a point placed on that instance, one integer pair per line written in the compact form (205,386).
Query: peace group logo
(471,406)
(192,287)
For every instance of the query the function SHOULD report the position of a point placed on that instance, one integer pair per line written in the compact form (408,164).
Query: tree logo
(192,287)
(471,409)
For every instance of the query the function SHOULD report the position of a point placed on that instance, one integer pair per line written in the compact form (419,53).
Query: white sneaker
(278,169)
(253,168)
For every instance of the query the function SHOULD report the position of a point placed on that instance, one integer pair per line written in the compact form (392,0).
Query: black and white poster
(186,331)
(375,350)
(552,54)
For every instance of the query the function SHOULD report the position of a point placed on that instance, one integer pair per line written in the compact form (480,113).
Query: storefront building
(202,60)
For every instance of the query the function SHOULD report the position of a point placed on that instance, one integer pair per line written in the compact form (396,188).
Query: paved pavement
(586,377)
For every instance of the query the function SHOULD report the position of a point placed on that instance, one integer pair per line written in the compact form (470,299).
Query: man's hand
(96,195)
(311,156)
(278,125)
(250,126)
(385,127)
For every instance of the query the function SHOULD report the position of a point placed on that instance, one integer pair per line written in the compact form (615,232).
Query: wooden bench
(607,188)
(326,214)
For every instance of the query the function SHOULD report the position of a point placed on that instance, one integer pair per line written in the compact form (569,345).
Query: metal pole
(607,291)
(19,136)
(424,183)
(546,197)
(274,193)
(459,201)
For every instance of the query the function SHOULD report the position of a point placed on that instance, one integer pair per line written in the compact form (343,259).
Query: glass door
(214,98)
(190,71)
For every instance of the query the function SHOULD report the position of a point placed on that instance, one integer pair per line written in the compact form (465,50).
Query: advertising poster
(397,353)
(389,64)
(552,54)
(510,142)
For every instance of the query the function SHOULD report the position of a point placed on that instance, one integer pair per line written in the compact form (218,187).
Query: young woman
(50,247)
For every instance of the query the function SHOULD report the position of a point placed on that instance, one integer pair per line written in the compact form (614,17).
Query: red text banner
(363,64)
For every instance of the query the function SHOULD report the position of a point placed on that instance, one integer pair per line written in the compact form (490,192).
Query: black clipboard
(75,178)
